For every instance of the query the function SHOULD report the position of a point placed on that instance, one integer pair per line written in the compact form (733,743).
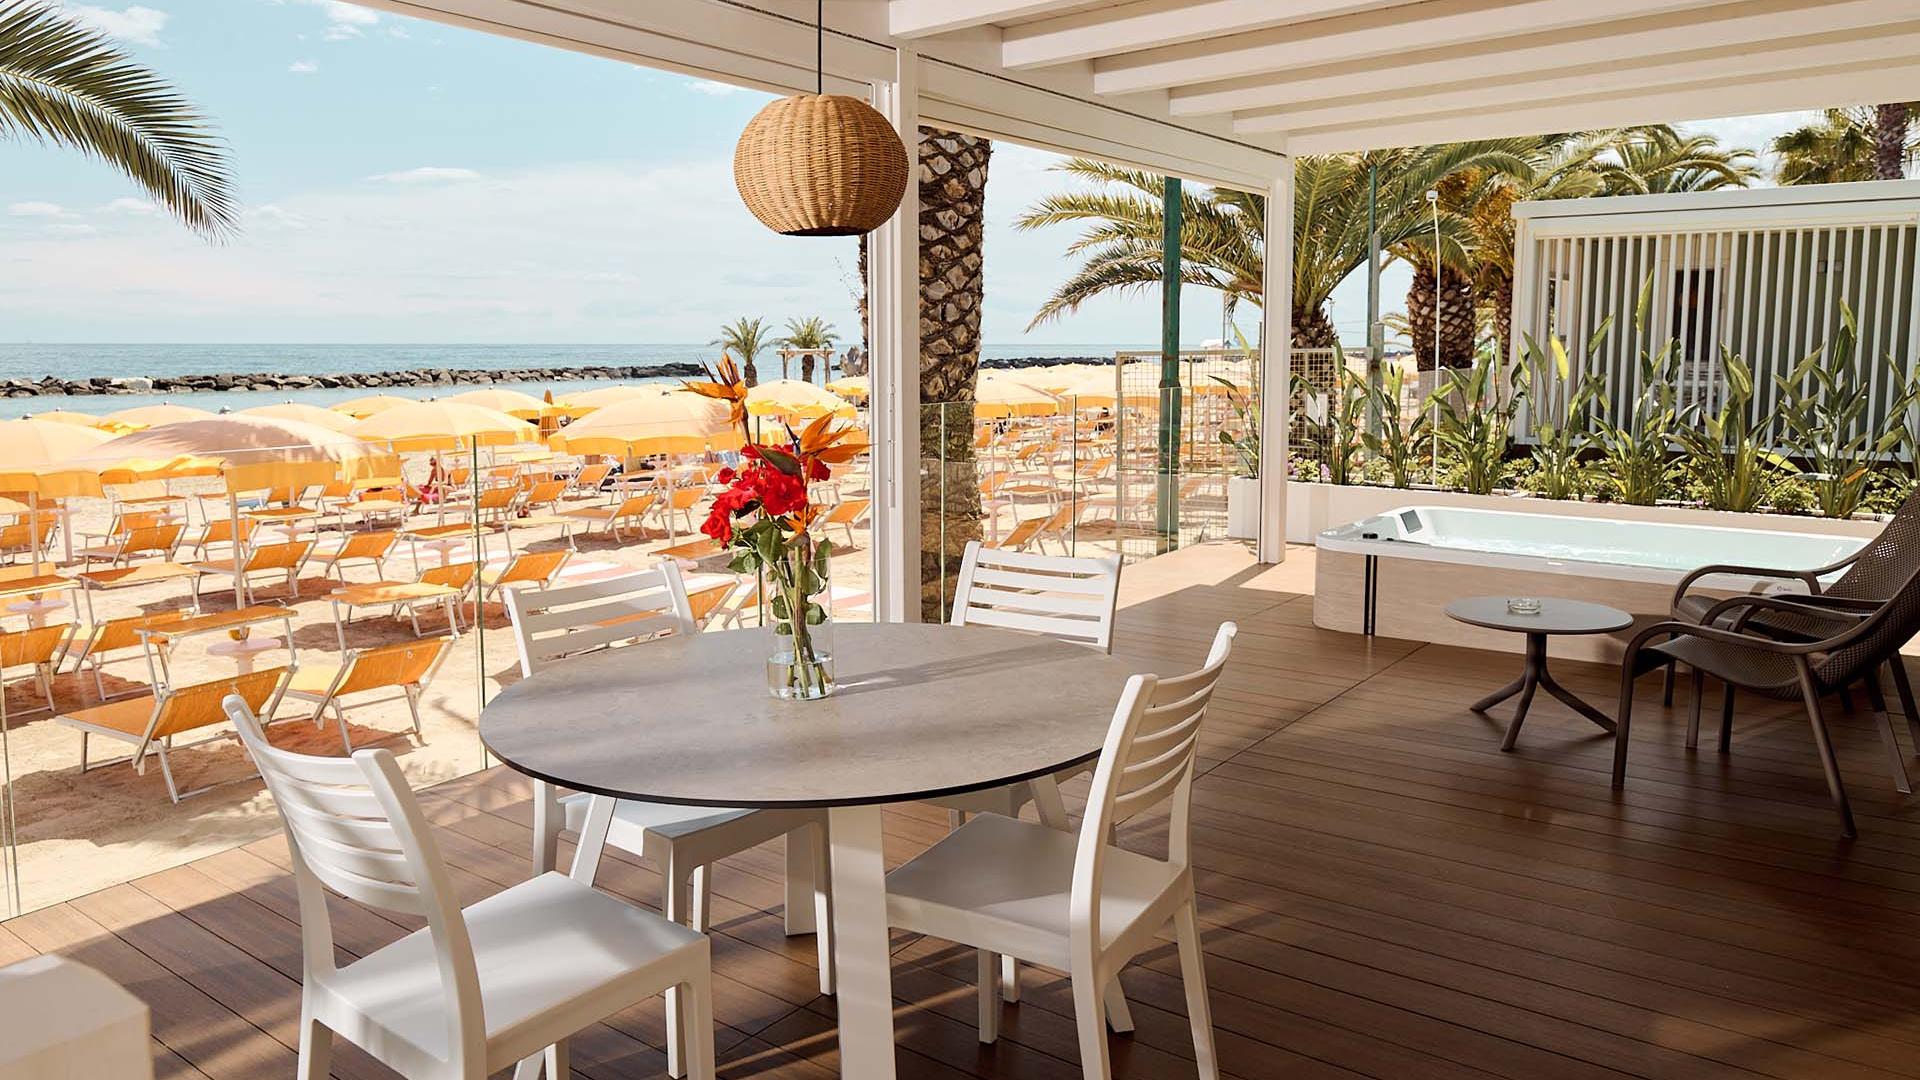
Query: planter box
(1243,508)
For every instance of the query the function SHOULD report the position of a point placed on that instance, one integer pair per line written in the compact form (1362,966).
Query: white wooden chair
(1056,595)
(475,990)
(558,623)
(1082,904)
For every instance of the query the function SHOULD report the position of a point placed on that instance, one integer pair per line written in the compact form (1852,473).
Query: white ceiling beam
(1890,44)
(1748,24)
(908,19)
(1853,84)
(1369,35)
(1145,24)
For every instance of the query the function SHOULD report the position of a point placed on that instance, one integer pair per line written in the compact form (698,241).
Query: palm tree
(812,332)
(1842,146)
(67,84)
(744,338)
(1223,231)
(1890,140)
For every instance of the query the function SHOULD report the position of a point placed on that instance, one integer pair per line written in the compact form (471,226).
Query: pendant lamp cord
(820,47)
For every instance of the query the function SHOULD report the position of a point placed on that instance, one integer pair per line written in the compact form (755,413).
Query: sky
(408,182)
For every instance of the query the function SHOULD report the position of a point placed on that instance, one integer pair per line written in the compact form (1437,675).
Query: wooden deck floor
(1384,894)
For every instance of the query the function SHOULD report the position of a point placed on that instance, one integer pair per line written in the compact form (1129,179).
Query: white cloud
(72,230)
(345,20)
(303,67)
(38,209)
(137,207)
(715,89)
(138,25)
(270,218)
(427,174)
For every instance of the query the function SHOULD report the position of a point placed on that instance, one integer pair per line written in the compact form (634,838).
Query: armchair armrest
(1811,578)
(1752,604)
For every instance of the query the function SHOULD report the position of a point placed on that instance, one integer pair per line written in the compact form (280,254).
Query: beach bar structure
(1337,867)
(1766,274)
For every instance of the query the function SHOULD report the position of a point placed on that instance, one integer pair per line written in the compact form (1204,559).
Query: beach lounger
(846,515)
(115,635)
(537,568)
(158,540)
(41,649)
(150,724)
(20,539)
(406,667)
(444,586)
(220,531)
(283,558)
(631,509)
(367,547)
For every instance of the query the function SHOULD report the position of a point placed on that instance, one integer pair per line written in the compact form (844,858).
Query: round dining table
(919,711)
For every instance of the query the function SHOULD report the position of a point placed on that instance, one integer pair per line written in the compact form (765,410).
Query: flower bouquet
(763,516)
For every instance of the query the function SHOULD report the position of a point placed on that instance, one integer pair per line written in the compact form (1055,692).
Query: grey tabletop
(920,710)
(1557,616)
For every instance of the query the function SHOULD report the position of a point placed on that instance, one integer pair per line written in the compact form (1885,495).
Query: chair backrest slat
(401,664)
(1055,595)
(568,620)
(1147,760)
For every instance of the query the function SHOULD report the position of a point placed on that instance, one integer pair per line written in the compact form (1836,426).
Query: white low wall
(1314,508)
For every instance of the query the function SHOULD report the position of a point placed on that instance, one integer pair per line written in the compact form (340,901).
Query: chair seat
(517,936)
(313,679)
(1004,884)
(128,716)
(1755,669)
(214,566)
(663,819)
(592,513)
(1693,607)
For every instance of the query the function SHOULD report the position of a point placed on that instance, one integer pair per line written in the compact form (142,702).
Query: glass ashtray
(1523,605)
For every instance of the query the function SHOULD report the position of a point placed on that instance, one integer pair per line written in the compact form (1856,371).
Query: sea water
(34,362)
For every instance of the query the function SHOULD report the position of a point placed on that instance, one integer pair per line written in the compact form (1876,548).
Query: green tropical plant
(1223,232)
(67,84)
(1561,437)
(1838,148)
(1727,454)
(812,332)
(1636,456)
(744,339)
(1397,442)
(1476,408)
(1903,424)
(1335,417)
(1827,416)
(1242,437)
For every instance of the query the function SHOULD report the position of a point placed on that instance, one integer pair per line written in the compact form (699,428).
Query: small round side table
(1556,616)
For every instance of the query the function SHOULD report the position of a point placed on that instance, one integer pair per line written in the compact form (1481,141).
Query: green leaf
(781,460)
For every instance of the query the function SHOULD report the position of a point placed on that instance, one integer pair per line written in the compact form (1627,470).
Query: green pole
(1167,490)
(1375,343)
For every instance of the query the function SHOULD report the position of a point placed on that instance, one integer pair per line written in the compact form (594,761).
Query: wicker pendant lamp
(820,164)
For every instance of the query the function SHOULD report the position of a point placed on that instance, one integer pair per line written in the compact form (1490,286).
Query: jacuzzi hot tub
(1391,574)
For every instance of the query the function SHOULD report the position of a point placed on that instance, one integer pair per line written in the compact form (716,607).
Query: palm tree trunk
(953,193)
(1452,303)
(1500,298)
(1313,330)
(1890,141)
(806,368)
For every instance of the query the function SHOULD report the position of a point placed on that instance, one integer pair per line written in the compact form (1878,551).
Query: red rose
(817,470)
(725,475)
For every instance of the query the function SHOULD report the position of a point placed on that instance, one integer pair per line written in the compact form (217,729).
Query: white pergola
(1223,92)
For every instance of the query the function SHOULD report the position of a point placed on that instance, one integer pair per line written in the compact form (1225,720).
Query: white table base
(862,961)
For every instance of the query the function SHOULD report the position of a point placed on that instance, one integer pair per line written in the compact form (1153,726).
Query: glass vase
(799,595)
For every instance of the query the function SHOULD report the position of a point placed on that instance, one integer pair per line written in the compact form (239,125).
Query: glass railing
(129,581)
(1083,470)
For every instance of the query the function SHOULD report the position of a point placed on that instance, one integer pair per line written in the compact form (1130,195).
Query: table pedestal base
(862,964)
(1535,675)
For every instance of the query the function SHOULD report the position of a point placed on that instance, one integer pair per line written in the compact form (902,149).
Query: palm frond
(67,84)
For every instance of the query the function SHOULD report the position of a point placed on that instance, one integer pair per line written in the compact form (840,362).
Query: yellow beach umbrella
(791,399)
(362,407)
(1095,389)
(602,396)
(47,458)
(77,419)
(853,387)
(511,402)
(250,452)
(306,414)
(443,425)
(997,396)
(147,416)
(661,424)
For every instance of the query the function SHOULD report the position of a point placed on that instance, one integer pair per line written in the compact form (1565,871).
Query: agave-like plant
(1476,407)
(1825,412)
(1637,455)
(67,84)
(1398,440)
(1561,438)
(1334,416)
(1727,452)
